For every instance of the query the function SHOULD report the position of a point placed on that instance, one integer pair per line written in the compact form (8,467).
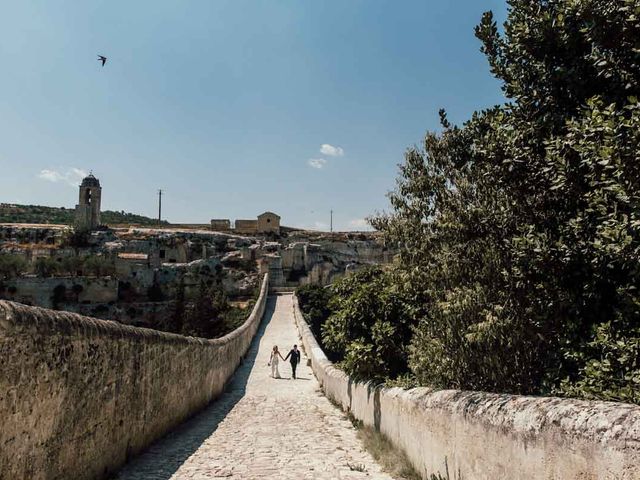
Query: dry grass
(392,460)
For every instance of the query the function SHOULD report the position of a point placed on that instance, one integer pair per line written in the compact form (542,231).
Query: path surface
(262,427)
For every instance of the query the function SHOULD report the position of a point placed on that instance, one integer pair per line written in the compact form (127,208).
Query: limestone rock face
(275,270)
(294,257)
(239,284)
(324,260)
(147,264)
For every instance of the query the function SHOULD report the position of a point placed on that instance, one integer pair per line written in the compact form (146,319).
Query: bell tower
(88,208)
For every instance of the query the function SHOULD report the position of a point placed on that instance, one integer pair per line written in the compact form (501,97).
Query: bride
(273,361)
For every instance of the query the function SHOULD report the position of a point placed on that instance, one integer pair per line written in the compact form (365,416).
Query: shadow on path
(165,456)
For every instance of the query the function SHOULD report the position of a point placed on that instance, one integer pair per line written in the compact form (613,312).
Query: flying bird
(102,59)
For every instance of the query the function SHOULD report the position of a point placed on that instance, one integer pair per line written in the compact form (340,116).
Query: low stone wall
(79,396)
(483,436)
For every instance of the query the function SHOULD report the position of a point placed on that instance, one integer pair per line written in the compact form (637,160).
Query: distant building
(249,227)
(88,208)
(268,222)
(220,224)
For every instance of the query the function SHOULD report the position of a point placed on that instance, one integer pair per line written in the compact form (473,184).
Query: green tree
(154,292)
(179,309)
(314,302)
(71,265)
(520,231)
(98,266)
(204,317)
(75,238)
(369,326)
(11,265)
(59,296)
(46,267)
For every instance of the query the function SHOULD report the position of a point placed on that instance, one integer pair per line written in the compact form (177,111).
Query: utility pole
(159,207)
(331,222)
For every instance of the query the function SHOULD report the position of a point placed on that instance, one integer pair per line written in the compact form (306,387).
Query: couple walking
(294,355)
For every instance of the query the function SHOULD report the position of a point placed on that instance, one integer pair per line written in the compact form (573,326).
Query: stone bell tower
(88,208)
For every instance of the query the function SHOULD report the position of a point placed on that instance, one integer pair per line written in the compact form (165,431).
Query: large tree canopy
(519,232)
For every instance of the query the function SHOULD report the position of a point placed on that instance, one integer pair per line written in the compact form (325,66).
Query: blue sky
(226,105)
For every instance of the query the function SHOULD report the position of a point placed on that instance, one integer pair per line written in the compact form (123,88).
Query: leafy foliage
(179,309)
(362,322)
(314,303)
(519,232)
(46,267)
(204,318)
(97,266)
(11,265)
(75,238)
(369,327)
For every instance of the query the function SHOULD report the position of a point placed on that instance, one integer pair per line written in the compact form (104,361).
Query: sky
(231,107)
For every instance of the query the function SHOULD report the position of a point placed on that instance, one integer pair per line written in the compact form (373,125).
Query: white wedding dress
(275,373)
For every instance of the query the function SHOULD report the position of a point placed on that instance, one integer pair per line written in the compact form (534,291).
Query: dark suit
(295,360)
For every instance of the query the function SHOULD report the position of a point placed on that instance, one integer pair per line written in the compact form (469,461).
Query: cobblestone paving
(262,427)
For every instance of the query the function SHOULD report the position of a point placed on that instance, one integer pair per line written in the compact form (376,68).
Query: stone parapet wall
(484,436)
(80,396)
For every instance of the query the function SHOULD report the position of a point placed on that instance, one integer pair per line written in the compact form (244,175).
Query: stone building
(88,208)
(268,222)
(220,224)
(249,227)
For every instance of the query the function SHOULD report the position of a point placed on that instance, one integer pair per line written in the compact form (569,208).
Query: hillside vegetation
(11,213)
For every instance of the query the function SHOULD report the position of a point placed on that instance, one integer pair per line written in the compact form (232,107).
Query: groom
(294,353)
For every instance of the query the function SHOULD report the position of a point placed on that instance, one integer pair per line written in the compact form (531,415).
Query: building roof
(268,213)
(133,256)
(90,181)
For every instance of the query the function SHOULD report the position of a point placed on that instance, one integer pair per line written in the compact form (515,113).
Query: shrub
(75,238)
(154,292)
(46,267)
(11,265)
(204,318)
(370,325)
(98,266)
(59,295)
(71,265)
(314,302)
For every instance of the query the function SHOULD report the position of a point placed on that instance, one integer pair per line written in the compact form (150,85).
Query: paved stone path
(262,427)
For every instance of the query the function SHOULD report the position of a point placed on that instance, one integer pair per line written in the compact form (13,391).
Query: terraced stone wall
(79,396)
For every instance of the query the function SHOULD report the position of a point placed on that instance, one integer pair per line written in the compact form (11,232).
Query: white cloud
(359,223)
(71,177)
(331,151)
(318,163)
(323,227)
(50,175)
(79,173)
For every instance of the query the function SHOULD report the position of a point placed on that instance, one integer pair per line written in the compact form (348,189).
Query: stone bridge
(87,399)
(262,427)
